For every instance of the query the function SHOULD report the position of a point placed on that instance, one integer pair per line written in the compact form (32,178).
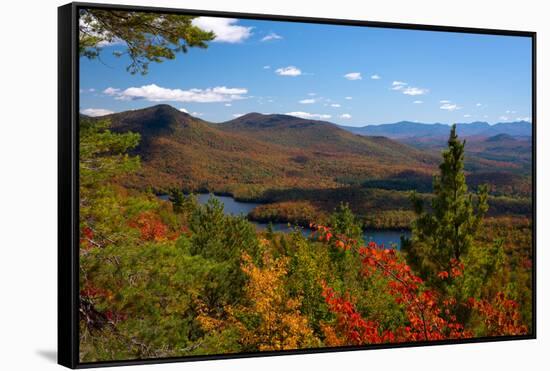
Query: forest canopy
(177,278)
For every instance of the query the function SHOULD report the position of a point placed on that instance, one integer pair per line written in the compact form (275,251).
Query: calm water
(232,207)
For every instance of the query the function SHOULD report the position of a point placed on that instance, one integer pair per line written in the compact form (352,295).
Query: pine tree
(145,37)
(343,221)
(445,233)
(177,198)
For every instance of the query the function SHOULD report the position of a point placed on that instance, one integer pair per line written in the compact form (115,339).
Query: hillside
(256,153)
(321,137)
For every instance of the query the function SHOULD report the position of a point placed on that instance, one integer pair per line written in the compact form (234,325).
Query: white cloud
(228,104)
(196,114)
(271,36)
(449,107)
(375,77)
(478,104)
(335,105)
(508,111)
(418,102)
(312,94)
(90,90)
(95,112)
(226,29)
(467,115)
(267,67)
(307,101)
(345,116)
(398,85)
(111,91)
(238,115)
(353,76)
(415,91)
(528,119)
(307,115)
(155,93)
(504,118)
(288,71)
(444,101)
(348,98)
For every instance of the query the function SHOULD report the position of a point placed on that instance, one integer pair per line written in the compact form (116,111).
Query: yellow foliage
(271,320)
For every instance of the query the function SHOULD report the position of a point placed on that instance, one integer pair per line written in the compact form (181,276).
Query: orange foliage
(150,227)
(501,317)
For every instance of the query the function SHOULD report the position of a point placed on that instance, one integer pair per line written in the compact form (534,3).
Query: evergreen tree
(148,37)
(446,232)
(343,221)
(177,198)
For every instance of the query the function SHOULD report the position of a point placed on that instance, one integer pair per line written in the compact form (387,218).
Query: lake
(233,207)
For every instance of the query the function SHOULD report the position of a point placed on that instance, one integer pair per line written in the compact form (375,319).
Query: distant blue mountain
(408,129)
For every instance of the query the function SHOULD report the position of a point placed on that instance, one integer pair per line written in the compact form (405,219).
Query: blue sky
(344,74)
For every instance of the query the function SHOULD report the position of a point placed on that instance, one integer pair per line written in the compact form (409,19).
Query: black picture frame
(68,187)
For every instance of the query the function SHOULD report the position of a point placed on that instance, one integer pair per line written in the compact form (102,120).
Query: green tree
(177,198)
(222,239)
(343,221)
(103,158)
(447,231)
(149,37)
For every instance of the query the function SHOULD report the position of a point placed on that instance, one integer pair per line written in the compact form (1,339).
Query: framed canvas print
(236,185)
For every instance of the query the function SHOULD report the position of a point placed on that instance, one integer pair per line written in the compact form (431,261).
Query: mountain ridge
(409,129)
(256,152)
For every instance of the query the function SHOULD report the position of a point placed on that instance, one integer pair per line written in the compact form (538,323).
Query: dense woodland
(176,278)
(165,278)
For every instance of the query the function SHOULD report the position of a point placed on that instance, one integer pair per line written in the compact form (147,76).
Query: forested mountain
(256,151)
(320,136)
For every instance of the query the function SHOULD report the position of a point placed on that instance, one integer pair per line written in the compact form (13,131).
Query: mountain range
(255,151)
(407,129)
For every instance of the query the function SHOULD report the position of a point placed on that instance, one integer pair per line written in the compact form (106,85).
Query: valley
(298,170)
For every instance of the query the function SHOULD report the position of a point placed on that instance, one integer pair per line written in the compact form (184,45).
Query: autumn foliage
(501,316)
(278,323)
(150,227)
(429,315)
(179,278)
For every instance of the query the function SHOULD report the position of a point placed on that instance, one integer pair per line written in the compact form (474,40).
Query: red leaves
(324,234)
(456,270)
(150,227)
(94,292)
(501,317)
(443,275)
(349,322)
(86,238)
(428,317)
(87,233)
